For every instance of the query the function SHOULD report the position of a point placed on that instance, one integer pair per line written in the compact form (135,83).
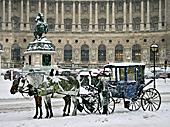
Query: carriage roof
(123,64)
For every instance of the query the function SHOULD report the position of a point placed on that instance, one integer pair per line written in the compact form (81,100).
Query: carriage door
(46,60)
(121,82)
(131,87)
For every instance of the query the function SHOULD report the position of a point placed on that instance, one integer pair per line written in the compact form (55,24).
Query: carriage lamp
(154,48)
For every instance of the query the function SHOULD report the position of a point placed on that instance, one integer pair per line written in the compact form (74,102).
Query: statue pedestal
(40,53)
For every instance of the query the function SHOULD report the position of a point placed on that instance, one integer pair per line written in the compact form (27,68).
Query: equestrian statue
(41,27)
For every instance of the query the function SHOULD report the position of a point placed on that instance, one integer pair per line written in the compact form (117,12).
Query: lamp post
(154,48)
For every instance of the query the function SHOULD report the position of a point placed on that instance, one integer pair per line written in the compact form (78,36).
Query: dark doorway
(46,60)
(29,59)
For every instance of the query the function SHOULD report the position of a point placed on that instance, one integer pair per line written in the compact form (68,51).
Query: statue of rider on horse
(41,26)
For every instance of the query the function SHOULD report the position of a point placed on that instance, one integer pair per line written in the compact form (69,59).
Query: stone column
(56,15)
(96,16)
(79,17)
(107,16)
(130,16)
(148,16)
(39,6)
(142,16)
(113,15)
(124,15)
(165,14)
(160,15)
(90,22)
(3,18)
(62,15)
(22,22)
(9,16)
(73,22)
(45,10)
(28,16)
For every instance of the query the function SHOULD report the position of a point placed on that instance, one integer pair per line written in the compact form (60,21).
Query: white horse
(39,85)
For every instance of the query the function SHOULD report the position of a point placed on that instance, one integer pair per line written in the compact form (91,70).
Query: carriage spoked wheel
(134,104)
(151,100)
(110,107)
(92,105)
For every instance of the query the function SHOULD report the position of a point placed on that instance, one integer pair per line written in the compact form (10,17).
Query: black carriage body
(127,78)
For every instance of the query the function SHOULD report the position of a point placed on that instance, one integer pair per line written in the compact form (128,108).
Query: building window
(137,7)
(154,23)
(119,53)
(102,52)
(50,8)
(32,8)
(120,7)
(15,52)
(136,52)
(119,24)
(68,24)
(102,24)
(1,47)
(85,53)
(85,8)
(152,55)
(85,24)
(15,6)
(68,8)
(136,23)
(51,23)
(67,52)
(15,22)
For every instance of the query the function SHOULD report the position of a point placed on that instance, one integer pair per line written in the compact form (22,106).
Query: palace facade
(88,33)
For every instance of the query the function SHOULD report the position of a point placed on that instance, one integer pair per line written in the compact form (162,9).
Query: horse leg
(39,100)
(36,110)
(46,107)
(47,101)
(75,102)
(68,104)
(65,106)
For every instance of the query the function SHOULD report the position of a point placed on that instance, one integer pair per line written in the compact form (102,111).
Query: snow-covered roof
(123,64)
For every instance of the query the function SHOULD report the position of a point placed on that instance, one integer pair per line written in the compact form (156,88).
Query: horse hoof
(46,116)
(51,116)
(40,117)
(67,114)
(35,117)
(64,114)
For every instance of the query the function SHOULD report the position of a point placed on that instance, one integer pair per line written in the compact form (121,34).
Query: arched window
(15,52)
(67,52)
(119,53)
(136,53)
(152,55)
(102,53)
(85,53)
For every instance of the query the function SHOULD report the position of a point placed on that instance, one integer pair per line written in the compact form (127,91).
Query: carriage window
(121,74)
(131,74)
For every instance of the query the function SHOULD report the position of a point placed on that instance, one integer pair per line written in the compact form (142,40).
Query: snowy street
(16,111)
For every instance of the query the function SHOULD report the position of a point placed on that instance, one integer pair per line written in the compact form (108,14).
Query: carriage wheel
(110,108)
(134,104)
(151,100)
(94,105)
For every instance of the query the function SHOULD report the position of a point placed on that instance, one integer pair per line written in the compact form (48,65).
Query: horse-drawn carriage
(119,81)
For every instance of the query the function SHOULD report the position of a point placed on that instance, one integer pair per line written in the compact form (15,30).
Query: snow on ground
(15,111)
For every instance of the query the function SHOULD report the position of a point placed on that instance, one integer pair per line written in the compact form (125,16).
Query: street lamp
(154,48)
